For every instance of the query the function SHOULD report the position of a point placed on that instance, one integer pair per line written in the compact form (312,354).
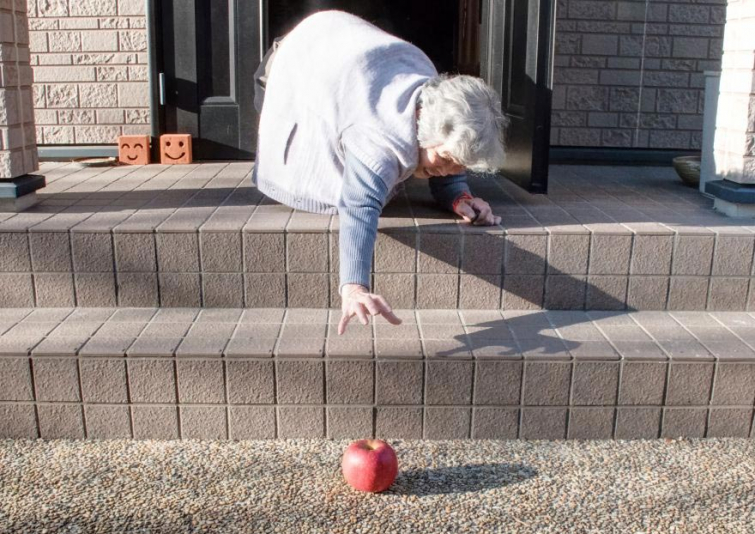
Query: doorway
(206,51)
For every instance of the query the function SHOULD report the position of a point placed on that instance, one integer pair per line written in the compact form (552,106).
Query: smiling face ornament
(133,149)
(175,148)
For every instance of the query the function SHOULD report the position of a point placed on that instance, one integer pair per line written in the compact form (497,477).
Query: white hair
(463,114)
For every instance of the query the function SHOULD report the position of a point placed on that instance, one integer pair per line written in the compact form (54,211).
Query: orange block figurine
(175,148)
(133,149)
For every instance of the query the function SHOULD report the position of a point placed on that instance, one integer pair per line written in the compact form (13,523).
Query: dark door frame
(156,66)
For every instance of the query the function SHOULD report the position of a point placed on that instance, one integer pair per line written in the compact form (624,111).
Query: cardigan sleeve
(446,189)
(362,198)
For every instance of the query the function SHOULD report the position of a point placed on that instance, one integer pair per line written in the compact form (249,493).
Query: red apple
(369,465)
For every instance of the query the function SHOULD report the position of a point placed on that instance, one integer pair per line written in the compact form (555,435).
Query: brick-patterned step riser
(413,269)
(242,374)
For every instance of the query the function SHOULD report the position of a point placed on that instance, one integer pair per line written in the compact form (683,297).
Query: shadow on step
(460,479)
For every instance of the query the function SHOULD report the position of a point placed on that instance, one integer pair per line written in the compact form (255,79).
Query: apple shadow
(459,479)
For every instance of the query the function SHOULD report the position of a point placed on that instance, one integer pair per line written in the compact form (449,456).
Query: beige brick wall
(90,70)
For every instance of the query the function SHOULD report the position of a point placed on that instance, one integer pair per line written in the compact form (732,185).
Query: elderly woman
(349,113)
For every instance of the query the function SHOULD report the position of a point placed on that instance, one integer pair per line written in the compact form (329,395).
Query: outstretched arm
(452,193)
(359,208)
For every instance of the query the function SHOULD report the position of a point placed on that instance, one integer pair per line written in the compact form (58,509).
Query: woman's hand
(357,300)
(476,211)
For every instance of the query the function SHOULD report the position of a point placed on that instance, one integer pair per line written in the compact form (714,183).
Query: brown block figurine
(175,148)
(133,149)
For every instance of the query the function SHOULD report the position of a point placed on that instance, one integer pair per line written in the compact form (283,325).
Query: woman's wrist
(348,289)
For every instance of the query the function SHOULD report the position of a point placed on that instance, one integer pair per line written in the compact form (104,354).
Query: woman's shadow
(460,479)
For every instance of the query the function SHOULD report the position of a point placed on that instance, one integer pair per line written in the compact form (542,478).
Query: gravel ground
(659,486)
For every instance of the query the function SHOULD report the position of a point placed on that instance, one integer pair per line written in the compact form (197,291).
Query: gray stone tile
(651,255)
(497,383)
(398,348)
(15,380)
(200,382)
(395,422)
(16,290)
(495,423)
(177,252)
(263,315)
(693,255)
(595,383)
(224,290)
(137,289)
(609,254)
(178,315)
(543,423)
(480,291)
(638,423)
(300,347)
(251,422)
(155,422)
(565,292)
(437,291)
(202,346)
(689,384)
(350,382)
(203,422)
(522,292)
(606,292)
(734,383)
(397,289)
(241,347)
(154,346)
(92,252)
(447,422)
(448,382)
(688,293)
(546,383)
(264,253)
(525,254)
(60,421)
(447,348)
(685,350)
(103,381)
(482,254)
(50,252)
(180,289)
(54,289)
(221,252)
(733,256)
(399,382)
(60,346)
(349,347)
(301,422)
(396,252)
(95,289)
(728,294)
(642,383)
(56,380)
(439,253)
(307,253)
(729,423)
(107,422)
(647,292)
(591,423)
(684,422)
(15,247)
(300,382)
(152,381)
(105,345)
(135,252)
(250,382)
(307,290)
(349,422)
(567,254)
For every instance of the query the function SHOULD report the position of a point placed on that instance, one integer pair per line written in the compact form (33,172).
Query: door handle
(161,87)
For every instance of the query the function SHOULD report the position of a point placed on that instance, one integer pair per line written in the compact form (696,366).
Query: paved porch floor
(659,486)
(129,198)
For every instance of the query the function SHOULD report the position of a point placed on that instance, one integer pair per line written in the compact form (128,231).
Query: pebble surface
(282,486)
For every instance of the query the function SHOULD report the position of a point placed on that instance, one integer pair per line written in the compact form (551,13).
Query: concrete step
(201,236)
(263,373)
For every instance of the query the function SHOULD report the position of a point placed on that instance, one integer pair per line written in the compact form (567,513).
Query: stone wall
(90,70)
(18,155)
(735,122)
(630,73)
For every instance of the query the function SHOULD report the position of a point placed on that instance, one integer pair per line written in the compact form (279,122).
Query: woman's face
(436,162)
